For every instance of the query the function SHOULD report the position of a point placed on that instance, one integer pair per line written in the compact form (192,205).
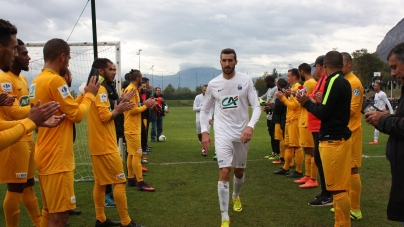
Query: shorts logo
(139,151)
(220,161)
(63,90)
(6,87)
(103,97)
(229,102)
(239,87)
(356,92)
(120,176)
(21,175)
(32,91)
(24,100)
(73,199)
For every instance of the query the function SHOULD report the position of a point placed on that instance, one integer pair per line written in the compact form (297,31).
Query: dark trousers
(144,134)
(317,160)
(157,128)
(274,143)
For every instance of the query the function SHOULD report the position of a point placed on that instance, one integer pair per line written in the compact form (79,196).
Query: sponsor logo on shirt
(73,199)
(229,102)
(120,176)
(32,91)
(24,101)
(7,87)
(103,97)
(21,175)
(64,91)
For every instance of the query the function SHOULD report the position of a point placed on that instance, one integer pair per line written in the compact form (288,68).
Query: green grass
(186,186)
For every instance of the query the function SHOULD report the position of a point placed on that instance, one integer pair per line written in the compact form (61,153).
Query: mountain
(190,78)
(393,37)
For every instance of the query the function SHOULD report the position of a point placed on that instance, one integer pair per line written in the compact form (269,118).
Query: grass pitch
(186,186)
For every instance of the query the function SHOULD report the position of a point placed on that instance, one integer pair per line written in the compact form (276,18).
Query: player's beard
(228,70)
(19,65)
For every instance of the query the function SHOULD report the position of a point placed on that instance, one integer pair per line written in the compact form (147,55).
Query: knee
(225,174)
(239,173)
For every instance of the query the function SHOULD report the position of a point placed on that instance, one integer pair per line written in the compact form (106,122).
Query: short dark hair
(134,74)
(20,42)
(295,72)
(55,47)
(145,79)
(157,88)
(398,51)
(228,51)
(269,79)
(101,63)
(127,76)
(347,56)
(205,85)
(6,31)
(334,60)
(305,68)
(282,83)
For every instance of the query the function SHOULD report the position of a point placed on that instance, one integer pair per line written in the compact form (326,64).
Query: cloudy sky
(180,34)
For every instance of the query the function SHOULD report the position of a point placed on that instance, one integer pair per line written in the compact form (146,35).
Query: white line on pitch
(182,163)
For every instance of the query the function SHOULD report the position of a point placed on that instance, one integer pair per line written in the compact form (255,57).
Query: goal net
(82,57)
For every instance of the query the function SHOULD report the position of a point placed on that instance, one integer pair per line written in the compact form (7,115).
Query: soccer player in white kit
(198,102)
(380,102)
(231,92)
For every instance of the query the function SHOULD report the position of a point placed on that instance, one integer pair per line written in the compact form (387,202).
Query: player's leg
(356,184)
(375,137)
(294,145)
(289,151)
(153,131)
(239,163)
(224,151)
(159,126)
(198,132)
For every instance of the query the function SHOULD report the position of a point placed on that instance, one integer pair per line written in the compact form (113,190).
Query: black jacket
(393,125)
(335,109)
(119,119)
(279,113)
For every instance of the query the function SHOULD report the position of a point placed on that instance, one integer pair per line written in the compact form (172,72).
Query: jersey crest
(356,92)
(239,87)
(229,102)
(64,91)
(103,97)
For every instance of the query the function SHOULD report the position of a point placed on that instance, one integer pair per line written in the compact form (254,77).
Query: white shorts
(231,154)
(198,127)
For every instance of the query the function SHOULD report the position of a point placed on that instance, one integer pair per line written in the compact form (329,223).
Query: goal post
(82,57)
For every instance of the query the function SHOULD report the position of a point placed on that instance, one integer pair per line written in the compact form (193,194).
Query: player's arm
(386,100)
(15,111)
(324,110)
(12,131)
(255,105)
(357,97)
(136,108)
(264,96)
(197,106)
(207,105)
(392,125)
(291,104)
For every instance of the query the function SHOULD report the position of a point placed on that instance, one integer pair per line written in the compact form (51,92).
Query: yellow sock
(307,164)
(342,209)
(137,166)
(129,165)
(282,148)
(355,192)
(31,205)
(299,156)
(99,202)
(45,218)
(314,169)
(11,206)
(121,203)
(288,158)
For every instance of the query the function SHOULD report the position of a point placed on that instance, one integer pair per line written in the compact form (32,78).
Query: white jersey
(198,102)
(381,101)
(231,98)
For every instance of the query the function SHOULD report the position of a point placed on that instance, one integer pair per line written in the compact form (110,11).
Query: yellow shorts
(336,157)
(305,137)
(292,134)
(17,162)
(356,138)
(133,143)
(57,192)
(108,169)
(278,132)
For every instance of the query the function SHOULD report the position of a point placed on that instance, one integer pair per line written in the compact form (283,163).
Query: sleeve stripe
(329,89)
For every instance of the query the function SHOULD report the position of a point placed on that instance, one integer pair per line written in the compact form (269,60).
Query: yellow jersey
(133,117)
(54,146)
(18,86)
(293,106)
(309,86)
(355,119)
(101,126)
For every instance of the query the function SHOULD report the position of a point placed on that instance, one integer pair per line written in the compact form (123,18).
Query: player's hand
(206,141)
(41,113)
(92,86)
(267,108)
(287,91)
(122,107)
(269,103)
(318,97)
(302,98)
(6,100)
(53,121)
(127,96)
(210,121)
(373,118)
(246,135)
(150,102)
(279,95)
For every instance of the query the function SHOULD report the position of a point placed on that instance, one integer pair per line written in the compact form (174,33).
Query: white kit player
(380,102)
(231,93)
(198,102)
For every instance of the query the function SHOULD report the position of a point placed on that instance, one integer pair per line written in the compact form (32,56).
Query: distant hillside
(393,37)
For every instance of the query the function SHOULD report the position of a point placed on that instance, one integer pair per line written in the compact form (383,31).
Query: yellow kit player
(292,128)
(309,180)
(105,158)
(132,126)
(54,156)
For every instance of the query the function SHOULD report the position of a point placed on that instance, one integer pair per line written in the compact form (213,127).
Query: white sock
(223,192)
(376,135)
(237,184)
